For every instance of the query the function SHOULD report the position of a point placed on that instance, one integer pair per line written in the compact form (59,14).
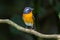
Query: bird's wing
(33,17)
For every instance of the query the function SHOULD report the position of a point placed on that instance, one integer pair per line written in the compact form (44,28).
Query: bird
(28,17)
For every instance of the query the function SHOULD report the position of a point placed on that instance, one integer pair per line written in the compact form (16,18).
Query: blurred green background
(12,9)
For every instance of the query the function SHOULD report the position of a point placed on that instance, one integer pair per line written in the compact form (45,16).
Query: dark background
(45,12)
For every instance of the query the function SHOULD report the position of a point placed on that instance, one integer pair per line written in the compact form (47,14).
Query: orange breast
(28,17)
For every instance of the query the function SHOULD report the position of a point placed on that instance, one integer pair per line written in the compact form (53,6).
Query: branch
(18,27)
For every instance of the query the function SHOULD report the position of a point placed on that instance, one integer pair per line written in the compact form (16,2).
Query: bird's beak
(32,9)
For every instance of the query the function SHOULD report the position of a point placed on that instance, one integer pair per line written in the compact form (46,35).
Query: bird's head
(27,10)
